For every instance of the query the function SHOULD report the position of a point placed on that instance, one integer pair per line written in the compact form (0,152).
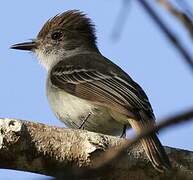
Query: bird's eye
(56,35)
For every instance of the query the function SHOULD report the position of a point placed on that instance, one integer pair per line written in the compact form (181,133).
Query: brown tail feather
(153,148)
(156,153)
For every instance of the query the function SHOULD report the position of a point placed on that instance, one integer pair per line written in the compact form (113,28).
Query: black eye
(56,35)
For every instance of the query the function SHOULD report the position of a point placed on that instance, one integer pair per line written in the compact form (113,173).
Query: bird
(87,90)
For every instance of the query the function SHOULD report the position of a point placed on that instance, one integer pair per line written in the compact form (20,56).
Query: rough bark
(69,153)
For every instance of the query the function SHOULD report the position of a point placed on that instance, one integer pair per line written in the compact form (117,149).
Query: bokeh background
(126,35)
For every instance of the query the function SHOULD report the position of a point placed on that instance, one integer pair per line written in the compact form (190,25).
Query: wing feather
(107,89)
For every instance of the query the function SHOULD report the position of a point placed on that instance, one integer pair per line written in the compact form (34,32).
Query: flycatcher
(86,89)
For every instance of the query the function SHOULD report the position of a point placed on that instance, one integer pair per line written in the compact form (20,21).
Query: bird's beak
(28,46)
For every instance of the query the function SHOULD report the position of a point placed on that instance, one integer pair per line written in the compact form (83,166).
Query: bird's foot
(123,135)
(84,121)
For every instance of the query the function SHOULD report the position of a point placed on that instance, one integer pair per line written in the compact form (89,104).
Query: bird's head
(63,35)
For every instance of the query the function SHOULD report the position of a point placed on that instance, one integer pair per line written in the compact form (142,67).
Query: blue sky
(141,50)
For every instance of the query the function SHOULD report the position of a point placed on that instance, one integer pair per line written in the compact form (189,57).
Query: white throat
(48,61)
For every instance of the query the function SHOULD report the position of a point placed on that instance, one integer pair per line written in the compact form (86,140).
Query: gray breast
(72,111)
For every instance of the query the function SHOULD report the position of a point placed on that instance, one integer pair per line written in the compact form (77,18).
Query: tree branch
(53,151)
(174,40)
(114,152)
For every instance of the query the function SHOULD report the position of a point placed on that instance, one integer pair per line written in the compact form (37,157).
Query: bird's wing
(101,86)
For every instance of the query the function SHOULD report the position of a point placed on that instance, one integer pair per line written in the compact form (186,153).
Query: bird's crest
(72,21)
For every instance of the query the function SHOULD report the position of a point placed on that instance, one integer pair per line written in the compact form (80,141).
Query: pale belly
(73,111)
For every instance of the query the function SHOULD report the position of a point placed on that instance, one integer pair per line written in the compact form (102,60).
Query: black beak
(28,46)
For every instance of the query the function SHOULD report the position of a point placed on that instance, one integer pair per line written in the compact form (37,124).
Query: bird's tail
(153,148)
(156,153)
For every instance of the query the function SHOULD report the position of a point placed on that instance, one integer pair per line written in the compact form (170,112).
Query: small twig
(182,17)
(186,7)
(187,57)
(121,19)
(113,153)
